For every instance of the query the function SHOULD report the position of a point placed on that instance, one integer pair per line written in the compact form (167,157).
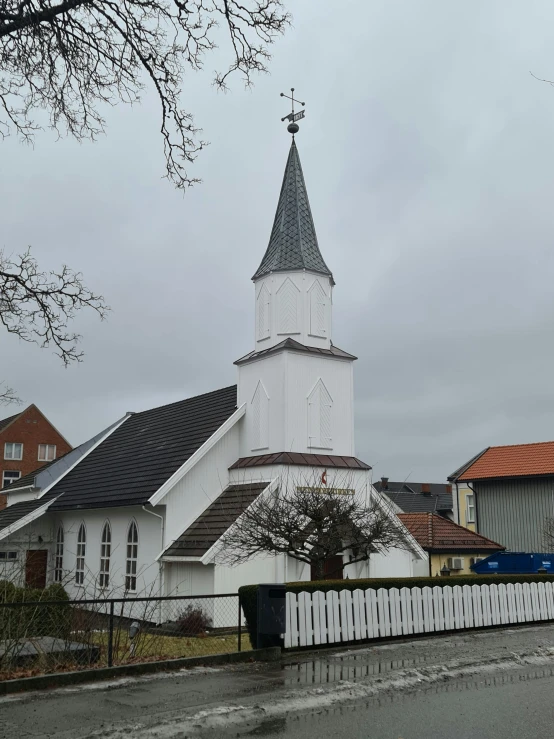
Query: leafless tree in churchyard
(69,57)
(37,307)
(312,522)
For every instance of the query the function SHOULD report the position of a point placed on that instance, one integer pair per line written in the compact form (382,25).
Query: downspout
(161,566)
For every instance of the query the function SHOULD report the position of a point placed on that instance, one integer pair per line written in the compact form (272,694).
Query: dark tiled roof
(143,452)
(6,421)
(515,460)
(293,241)
(29,478)
(434,532)
(413,503)
(308,460)
(13,513)
(216,519)
(409,495)
(292,345)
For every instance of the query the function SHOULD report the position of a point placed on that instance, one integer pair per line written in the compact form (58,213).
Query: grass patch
(155,646)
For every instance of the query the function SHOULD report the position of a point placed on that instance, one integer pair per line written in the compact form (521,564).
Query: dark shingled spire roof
(293,242)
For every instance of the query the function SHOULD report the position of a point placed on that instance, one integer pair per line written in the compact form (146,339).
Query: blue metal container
(514,563)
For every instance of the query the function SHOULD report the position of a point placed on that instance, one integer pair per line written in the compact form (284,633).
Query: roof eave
(27,519)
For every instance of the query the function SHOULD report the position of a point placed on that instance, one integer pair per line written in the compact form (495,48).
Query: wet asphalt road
(495,684)
(519,706)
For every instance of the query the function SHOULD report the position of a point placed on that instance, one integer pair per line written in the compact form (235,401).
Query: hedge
(249,593)
(30,621)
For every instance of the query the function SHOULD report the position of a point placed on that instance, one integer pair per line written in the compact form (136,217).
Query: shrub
(249,593)
(30,621)
(193,621)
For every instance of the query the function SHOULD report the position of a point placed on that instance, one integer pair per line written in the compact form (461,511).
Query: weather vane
(293,117)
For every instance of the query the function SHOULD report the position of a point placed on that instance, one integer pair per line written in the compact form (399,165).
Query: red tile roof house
(513,491)
(449,545)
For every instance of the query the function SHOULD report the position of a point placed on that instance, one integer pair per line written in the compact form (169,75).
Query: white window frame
(7,556)
(10,480)
(131,557)
(58,557)
(81,555)
(470,518)
(11,445)
(105,556)
(46,458)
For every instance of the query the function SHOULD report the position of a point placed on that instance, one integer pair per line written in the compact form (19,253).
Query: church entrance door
(332,569)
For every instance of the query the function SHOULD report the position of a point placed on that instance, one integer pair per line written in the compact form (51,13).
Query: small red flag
(324,478)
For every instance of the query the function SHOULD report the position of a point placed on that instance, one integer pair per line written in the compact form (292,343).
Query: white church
(141,507)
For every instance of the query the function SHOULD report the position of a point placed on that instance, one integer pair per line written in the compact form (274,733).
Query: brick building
(27,441)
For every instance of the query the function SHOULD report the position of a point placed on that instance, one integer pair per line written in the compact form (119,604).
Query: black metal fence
(52,636)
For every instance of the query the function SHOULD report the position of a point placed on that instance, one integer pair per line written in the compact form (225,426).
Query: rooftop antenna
(292,117)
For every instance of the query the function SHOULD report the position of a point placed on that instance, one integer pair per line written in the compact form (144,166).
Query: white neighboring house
(140,508)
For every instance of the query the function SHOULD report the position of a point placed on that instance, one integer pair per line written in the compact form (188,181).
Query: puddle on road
(319,671)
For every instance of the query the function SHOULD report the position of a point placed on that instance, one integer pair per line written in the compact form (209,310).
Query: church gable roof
(132,463)
(218,517)
(293,241)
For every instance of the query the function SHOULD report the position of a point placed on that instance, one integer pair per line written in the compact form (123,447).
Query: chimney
(426,488)
(384,483)
(3,501)
(449,489)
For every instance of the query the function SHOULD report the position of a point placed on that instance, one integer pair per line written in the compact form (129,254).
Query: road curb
(61,679)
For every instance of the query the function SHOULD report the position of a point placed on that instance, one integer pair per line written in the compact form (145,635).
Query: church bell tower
(298,386)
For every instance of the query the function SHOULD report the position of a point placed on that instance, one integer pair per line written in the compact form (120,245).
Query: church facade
(141,507)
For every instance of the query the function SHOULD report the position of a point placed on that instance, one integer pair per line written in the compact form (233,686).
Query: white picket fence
(345,616)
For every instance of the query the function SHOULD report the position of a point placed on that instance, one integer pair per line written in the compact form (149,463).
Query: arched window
(132,557)
(105,554)
(81,553)
(58,563)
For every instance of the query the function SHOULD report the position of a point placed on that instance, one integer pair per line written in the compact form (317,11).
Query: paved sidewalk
(201,698)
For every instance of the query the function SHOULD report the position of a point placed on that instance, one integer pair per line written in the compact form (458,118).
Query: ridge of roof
(434,532)
(511,460)
(293,241)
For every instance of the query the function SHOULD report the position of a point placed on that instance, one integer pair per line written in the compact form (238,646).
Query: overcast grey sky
(428,154)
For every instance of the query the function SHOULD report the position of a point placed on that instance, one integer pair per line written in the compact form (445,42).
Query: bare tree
(311,523)
(37,307)
(548,535)
(68,57)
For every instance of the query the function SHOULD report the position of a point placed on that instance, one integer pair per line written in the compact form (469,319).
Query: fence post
(240,627)
(110,636)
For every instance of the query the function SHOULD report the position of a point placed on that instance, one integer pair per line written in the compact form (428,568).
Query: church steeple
(293,242)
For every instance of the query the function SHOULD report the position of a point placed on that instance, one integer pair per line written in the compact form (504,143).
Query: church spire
(293,242)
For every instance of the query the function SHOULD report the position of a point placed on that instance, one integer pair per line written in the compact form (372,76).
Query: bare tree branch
(7,395)
(68,57)
(548,535)
(311,524)
(37,306)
